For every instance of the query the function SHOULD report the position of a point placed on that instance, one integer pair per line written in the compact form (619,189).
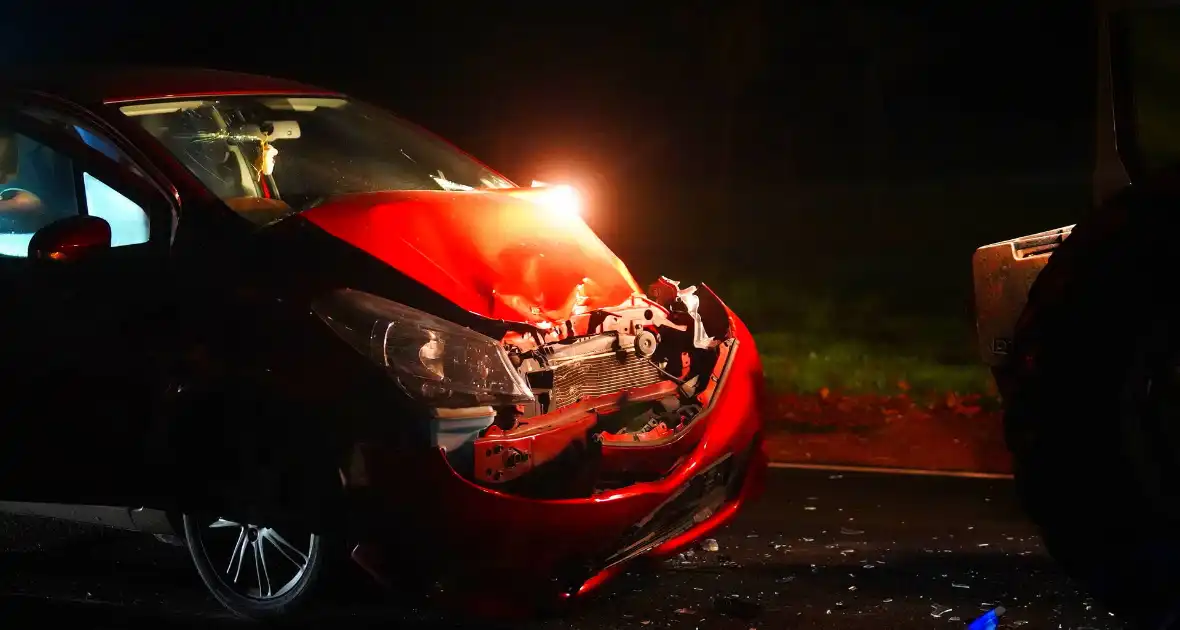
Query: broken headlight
(435,361)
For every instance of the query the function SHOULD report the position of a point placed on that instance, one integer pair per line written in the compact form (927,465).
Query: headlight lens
(434,360)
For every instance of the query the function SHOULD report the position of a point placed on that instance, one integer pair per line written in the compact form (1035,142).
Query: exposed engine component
(645,343)
(683,302)
(635,344)
(640,372)
(601,374)
(655,424)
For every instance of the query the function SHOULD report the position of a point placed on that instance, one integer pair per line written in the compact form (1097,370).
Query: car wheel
(253,570)
(1091,418)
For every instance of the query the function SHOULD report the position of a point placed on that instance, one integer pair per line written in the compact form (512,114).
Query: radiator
(600,374)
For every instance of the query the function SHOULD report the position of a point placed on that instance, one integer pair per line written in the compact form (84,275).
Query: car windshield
(269,157)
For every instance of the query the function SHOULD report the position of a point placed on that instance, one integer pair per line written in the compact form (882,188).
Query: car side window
(41,184)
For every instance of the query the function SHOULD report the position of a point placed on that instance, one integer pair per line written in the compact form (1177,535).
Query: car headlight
(435,361)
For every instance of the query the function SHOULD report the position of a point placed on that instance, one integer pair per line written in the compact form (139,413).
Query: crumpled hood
(498,254)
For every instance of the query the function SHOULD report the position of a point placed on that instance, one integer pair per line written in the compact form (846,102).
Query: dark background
(848,154)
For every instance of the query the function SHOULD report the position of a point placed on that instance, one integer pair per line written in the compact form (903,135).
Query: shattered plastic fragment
(887,600)
(851,532)
(685,611)
(710,545)
(938,610)
(956,585)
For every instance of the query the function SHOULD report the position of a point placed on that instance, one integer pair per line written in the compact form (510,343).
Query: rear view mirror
(273,130)
(70,238)
(9,158)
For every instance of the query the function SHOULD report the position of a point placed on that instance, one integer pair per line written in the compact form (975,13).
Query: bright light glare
(563,198)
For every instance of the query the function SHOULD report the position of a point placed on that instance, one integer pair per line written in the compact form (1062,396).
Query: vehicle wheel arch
(249,431)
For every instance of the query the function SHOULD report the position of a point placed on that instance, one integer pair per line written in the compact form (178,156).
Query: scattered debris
(710,545)
(685,611)
(735,606)
(851,532)
(938,610)
(809,508)
(957,585)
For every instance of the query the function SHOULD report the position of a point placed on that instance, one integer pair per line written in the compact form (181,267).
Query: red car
(277,324)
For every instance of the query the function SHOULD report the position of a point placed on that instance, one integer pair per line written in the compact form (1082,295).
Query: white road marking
(891,471)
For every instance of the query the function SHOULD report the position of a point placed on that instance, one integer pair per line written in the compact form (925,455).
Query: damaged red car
(281,326)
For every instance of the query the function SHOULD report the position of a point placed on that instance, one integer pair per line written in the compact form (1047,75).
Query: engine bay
(606,382)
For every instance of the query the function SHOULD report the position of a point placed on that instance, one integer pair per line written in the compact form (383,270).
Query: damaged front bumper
(695,480)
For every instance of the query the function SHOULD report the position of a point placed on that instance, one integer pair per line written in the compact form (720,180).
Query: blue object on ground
(990,621)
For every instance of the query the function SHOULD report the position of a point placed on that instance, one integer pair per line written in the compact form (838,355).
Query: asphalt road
(820,550)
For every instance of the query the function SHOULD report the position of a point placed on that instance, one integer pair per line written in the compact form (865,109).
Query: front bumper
(571,545)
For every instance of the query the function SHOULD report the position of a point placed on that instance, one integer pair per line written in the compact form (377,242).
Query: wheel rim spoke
(254,540)
(260,571)
(236,555)
(285,547)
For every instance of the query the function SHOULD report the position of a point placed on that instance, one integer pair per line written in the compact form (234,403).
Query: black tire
(296,598)
(1091,354)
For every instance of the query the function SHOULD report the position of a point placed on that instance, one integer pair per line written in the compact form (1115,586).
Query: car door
(83,330)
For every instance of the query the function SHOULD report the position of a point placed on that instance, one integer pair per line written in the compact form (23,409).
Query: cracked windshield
(271,156)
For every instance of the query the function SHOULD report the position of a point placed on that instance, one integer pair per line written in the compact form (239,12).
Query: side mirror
(70,238)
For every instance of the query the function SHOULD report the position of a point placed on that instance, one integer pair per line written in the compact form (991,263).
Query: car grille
(598,375)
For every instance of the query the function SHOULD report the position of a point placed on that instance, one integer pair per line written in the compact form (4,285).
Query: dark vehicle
(1088,359)
(284,326)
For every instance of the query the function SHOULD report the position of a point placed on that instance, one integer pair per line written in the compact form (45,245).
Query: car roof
(111,84)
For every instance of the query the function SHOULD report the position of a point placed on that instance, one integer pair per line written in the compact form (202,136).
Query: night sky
(842,142)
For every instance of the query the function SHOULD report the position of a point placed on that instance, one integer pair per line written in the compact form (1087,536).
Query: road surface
(822,549)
